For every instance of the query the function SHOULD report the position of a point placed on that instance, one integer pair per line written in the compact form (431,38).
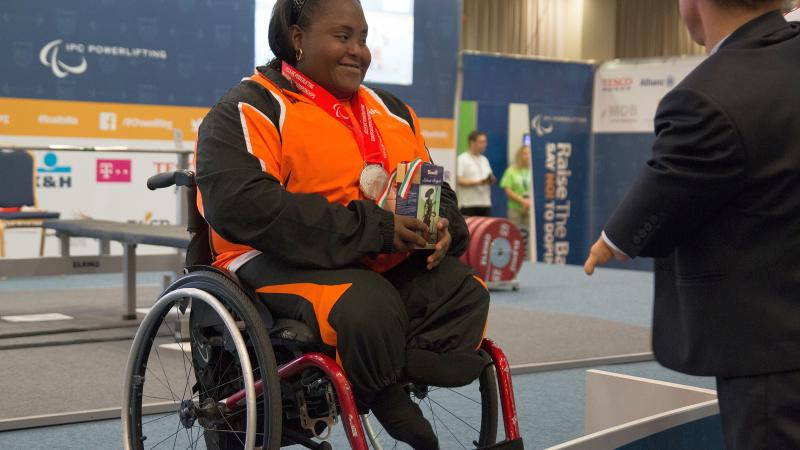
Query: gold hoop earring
(298,54)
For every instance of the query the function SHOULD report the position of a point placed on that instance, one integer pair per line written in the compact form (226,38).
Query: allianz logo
(669,81)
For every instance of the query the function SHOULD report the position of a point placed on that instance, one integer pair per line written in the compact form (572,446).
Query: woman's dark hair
(285,14)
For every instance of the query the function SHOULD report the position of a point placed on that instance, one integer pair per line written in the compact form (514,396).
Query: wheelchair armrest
(166,179)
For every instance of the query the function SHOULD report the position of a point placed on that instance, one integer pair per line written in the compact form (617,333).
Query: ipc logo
(48,56)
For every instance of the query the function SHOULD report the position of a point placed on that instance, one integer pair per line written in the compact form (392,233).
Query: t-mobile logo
(113,170)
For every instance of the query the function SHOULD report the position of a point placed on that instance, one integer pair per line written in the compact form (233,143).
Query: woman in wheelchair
(286,164)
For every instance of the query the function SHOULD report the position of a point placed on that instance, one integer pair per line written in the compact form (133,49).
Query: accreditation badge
(373,180)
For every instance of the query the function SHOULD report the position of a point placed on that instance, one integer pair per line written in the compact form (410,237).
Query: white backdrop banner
(107,186)
(97,185)
(626,93)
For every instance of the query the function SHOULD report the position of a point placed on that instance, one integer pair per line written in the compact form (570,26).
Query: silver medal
(372,181)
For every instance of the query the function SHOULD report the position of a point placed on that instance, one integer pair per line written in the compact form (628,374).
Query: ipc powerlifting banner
(180,55)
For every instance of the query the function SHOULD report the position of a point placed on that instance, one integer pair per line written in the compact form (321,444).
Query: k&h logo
(53,174)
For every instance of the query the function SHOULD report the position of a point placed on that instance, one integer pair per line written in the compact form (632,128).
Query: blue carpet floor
(550,404)
(550,408)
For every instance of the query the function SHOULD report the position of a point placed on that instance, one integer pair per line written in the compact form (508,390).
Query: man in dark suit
(718,204)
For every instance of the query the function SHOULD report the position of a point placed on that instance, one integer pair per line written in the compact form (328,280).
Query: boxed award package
(419,193)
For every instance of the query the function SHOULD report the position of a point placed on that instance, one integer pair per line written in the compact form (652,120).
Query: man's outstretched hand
(601,253)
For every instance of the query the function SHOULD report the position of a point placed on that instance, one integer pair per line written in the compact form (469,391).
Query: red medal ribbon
(366,134)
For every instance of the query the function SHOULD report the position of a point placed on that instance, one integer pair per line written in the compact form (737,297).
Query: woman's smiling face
(334,45)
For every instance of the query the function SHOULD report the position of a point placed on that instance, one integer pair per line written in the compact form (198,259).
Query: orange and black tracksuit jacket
(278,183)
(278,175)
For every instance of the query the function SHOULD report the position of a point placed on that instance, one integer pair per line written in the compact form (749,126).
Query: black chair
(18,191)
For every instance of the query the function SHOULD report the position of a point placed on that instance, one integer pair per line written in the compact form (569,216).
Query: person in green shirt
(517,183)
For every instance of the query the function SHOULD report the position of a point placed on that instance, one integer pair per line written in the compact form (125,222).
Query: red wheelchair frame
(352,425)
(348,410)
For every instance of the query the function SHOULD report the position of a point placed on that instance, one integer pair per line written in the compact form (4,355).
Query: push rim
(175,403)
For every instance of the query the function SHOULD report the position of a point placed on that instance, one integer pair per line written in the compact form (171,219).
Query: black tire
(489,404)
(253,329)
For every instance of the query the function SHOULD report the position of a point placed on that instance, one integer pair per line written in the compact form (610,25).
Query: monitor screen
(390,39)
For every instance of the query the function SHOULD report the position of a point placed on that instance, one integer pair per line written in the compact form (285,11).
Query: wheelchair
(211,368)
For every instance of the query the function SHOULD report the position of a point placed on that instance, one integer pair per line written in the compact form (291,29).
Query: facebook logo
(108,121)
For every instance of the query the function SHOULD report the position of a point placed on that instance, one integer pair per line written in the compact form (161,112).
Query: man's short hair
(474,135)
(751,4)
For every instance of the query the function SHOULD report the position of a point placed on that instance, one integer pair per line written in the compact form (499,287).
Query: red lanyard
(366,134)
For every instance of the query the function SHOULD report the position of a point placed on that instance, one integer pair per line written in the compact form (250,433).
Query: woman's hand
(442,245)
(405,233)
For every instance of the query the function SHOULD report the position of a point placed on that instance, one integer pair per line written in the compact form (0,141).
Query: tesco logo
(616,84)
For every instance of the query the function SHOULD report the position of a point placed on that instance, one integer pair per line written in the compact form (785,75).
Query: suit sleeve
(239,177)
(448,205)
(695,169)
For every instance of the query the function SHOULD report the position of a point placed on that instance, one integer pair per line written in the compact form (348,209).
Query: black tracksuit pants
(378,322)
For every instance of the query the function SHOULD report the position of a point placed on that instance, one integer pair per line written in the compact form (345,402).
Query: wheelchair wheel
(463,417)
(202,342)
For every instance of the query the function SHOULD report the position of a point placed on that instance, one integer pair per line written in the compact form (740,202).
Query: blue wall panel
(184,52)
(493,120)
(180,52)
(489,78)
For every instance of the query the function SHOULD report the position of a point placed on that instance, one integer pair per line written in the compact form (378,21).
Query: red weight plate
(498,250)
(473,225)
(469,220)
(478,240)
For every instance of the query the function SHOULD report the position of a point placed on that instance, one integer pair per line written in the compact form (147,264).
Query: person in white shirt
(475,178)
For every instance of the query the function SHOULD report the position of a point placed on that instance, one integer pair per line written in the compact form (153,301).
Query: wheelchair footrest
(516,444)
